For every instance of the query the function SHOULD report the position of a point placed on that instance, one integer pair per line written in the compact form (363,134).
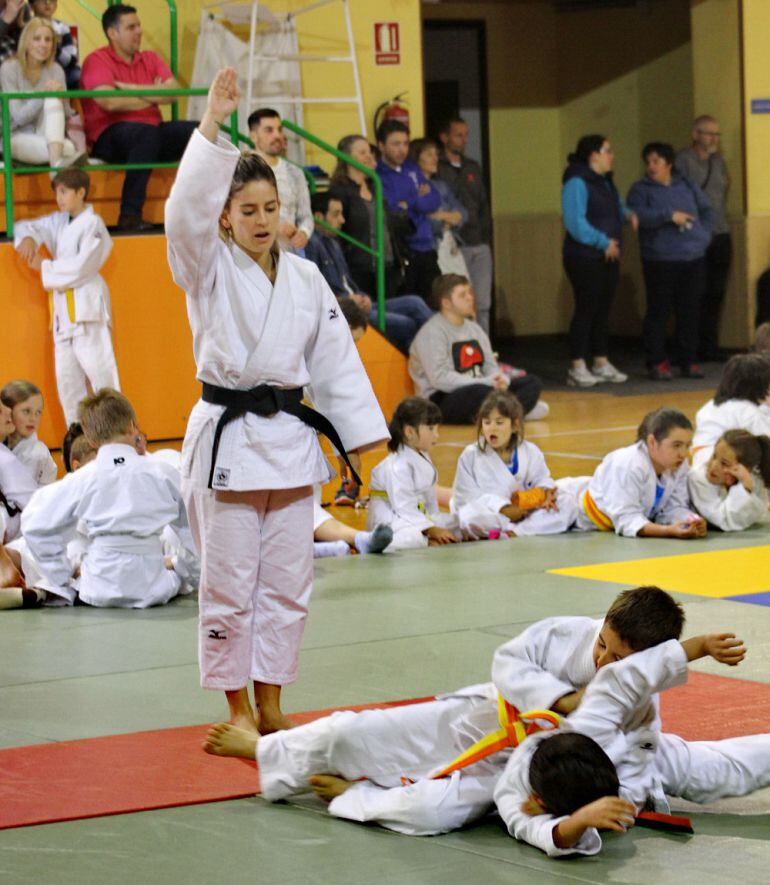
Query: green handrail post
(379,211)
(89,9)
(235,136)
(173,50)
(7,167)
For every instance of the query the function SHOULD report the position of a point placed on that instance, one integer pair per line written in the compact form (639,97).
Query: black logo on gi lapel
(217,634)
(333,313)
(118,460)
(221,478)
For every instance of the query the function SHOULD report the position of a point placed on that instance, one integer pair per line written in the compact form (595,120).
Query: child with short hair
(730,489)
(641,490)
(741,401)
(78,240)
(390,766)
(66,47)
(25,401)
(502,484)
(402,488)
(122,502)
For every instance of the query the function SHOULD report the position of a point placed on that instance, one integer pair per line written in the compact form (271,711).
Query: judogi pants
(389,748)
(256,577)
(481,271)
(85,357)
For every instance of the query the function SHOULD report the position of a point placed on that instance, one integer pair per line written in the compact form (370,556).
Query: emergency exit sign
(387,43)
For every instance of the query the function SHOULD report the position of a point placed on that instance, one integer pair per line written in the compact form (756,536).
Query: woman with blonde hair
(37,124)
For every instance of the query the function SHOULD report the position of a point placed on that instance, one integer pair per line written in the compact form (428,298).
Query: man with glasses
(704,165)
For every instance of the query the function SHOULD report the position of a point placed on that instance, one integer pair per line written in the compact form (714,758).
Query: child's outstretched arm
(722,647)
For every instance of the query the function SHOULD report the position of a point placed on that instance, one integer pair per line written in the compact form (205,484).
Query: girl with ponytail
(730,489)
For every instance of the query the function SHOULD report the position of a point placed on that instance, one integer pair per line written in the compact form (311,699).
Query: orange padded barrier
(151,335)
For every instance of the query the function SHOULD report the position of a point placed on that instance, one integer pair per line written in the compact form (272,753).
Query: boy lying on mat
(381,765)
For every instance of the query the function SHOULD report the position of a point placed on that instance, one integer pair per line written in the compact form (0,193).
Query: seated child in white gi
(550,798)
(641,490)
(121,502)
(402,489)
(741,401)
(502,485)
(79,242)
(334,538)
(403,753)
(730,489)
(25,401)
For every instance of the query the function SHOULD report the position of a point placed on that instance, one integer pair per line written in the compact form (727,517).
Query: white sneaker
(540,411)
(608,372)
(581,377)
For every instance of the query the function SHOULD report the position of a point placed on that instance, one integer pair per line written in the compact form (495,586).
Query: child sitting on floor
(730,489)
(334,538)
(122,502)
(25,401)
(502,485)
(402,489)
(641,490)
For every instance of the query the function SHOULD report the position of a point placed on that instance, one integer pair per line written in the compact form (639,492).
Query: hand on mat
(437,536)
(689,529)
(607,813)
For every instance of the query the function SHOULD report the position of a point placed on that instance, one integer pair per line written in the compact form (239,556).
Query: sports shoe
(540,411)
(347,494)
(661,371)
(608,372)
(581,377)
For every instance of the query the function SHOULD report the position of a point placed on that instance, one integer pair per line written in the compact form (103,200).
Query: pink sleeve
(160,68)
(96,72)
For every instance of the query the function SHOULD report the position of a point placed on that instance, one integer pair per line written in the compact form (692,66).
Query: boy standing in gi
(79,242)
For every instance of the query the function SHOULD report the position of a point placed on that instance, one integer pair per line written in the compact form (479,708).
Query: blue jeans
(404,315)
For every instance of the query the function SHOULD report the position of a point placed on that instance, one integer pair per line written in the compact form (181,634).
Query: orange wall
(152,340)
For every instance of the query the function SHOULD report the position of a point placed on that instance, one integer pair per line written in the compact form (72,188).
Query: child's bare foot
(273,721)
(328,787)
(224,739)
(9,574)
(245,722)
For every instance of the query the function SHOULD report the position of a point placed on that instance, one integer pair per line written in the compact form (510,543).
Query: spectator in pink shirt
(130,129)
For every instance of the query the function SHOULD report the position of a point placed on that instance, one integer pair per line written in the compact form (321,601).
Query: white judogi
(81,320)
(121,502)
(35,456)
(256,575)
(484,484)
(616,711)
(402,493)
(730,509)
(712,421)
(624,488)
(17,485)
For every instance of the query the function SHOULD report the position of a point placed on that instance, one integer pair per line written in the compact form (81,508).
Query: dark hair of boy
(354,315)
(319,201)
(112,15)
(388,128)
(660,423)
(74,431)
(645,616)
(411,412)
(664,150)
(256,117)
(745,376)
(443,286)
(570,770)
(72,177)
(751,451)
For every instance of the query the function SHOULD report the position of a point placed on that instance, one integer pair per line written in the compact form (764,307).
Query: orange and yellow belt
(597,517)
(70,296)
(514,728)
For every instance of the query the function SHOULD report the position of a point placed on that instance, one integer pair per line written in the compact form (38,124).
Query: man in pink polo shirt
(130,129)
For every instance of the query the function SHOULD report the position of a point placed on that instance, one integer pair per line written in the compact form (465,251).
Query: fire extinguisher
(394,109)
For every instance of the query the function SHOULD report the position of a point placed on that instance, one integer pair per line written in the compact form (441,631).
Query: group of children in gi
(503,488)
(565,740)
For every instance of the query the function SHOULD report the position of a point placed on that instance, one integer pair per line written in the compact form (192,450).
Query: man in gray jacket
(452,363)
(466,179)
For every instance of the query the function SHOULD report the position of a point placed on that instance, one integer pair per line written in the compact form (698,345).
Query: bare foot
(328,787)
(224,739)
(9,574)
(245,722)
(270,722)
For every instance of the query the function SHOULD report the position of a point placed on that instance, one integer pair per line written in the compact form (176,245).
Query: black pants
(594,282)
(141,143)
(420,273)
(677,285)
(461,405)
(718,258)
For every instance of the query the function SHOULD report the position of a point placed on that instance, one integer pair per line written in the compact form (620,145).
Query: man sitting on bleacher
(130,129)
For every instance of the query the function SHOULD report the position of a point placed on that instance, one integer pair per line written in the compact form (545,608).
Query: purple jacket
(402,187)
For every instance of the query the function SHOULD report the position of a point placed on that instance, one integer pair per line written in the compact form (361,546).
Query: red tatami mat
(147,770)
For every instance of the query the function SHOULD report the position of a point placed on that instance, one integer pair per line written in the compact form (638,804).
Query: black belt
(266,401)
(10,509)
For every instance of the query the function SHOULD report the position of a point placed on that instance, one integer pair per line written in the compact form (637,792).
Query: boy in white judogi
(618,712)
(121,502)
(641,490)
(81,318)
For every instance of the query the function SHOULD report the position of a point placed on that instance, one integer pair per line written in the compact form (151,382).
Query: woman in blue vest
(593,216)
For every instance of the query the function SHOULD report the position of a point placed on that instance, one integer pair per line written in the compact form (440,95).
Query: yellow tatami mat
(719,573)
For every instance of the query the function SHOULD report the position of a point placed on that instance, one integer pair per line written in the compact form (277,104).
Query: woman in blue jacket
(593,216)
(675,222)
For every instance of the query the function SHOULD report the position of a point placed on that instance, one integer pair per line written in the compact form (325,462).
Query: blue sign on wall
(760,105)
